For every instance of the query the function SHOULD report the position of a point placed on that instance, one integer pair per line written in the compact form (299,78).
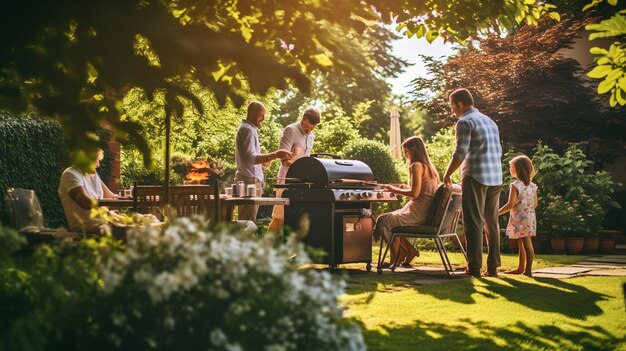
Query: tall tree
(529,88)
(359,89)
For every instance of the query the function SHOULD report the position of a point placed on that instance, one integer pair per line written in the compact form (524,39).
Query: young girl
(522,221)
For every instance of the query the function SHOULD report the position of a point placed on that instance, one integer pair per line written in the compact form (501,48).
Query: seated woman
(423,181)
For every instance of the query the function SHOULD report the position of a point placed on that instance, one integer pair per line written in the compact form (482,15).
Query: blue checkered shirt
(478,146)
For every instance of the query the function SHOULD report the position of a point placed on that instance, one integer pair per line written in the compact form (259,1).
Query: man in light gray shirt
(248,155)
(298,138)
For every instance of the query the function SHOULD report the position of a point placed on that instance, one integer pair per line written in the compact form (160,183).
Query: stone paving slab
(553,275)
(563,270)
(620,272)
(609,258)
(597,265)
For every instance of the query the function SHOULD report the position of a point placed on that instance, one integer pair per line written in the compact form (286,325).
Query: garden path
(596,265)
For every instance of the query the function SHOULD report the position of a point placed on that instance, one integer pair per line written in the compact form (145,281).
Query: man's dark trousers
(480,210)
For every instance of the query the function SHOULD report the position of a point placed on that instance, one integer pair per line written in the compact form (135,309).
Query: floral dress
(522,221)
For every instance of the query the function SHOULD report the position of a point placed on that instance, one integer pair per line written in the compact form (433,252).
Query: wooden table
(116,204)
(228,203)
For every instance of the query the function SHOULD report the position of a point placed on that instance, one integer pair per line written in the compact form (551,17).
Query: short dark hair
(254,108)
(463,96)
(312,114)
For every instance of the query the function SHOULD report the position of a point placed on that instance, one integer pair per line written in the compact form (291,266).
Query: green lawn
(511,312)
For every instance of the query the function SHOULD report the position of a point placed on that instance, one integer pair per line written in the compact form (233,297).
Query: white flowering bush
(186,287)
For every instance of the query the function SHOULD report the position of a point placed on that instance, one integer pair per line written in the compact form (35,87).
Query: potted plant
(556,217)
(592,213)
(573,199)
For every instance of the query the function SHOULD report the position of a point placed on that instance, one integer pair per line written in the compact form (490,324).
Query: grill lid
(322,171)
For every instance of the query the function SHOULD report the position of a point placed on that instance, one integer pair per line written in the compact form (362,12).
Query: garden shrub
(47,297)
(377,156)
(133,169)
(33,154)
(440,149)
(333,136)
(189,288)
(180,165)
(183,287)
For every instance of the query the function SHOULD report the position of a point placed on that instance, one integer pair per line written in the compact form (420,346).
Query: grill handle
(322,155)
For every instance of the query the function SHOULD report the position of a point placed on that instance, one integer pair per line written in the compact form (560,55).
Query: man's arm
(248,145)
(107,193)
(463,138)
(79,196)
(286,143)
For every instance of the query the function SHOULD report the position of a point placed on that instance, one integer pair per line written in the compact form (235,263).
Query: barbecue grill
(336,195)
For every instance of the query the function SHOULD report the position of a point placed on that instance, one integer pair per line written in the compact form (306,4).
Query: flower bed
(187,287)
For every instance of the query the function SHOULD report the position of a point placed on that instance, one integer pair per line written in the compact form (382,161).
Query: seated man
(79,189)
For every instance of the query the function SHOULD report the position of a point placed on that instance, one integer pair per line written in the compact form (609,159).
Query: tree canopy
(74,60)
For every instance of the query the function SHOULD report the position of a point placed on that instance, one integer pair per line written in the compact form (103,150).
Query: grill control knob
(380,194)
(392,194)
(367,195)
(343,196)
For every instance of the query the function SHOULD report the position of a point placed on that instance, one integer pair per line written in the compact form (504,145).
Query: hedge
(33,154)
(376,155)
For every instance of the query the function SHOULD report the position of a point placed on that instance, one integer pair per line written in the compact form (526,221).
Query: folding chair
(446,211)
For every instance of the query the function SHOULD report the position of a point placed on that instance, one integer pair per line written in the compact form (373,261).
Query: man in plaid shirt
(479,153)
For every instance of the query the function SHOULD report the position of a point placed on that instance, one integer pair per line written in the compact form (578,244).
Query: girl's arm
(536,199)
(509,205)
(416,173)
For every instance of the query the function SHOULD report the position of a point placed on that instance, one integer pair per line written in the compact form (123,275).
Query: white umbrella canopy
(394,135)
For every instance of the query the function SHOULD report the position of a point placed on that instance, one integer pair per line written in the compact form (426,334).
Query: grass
(398,312)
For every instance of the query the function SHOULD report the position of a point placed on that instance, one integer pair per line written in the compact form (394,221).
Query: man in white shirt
(297,137)
(79,191)
(248,155)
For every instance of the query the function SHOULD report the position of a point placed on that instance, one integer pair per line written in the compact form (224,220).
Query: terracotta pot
(558,245)
(607,245)
(591,245)
(575,245)
(513,245)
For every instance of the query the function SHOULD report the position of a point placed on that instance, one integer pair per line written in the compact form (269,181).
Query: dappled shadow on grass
(543,294)
(479,335)
(549,295)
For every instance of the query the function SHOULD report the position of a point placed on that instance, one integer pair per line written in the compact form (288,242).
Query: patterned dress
(413,213)
(522,221)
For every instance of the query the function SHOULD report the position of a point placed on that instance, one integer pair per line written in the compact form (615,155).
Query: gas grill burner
(336,196)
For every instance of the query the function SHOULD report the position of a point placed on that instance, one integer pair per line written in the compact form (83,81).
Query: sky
(409,49)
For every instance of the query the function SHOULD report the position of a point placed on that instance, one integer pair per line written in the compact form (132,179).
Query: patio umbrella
(394,135)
